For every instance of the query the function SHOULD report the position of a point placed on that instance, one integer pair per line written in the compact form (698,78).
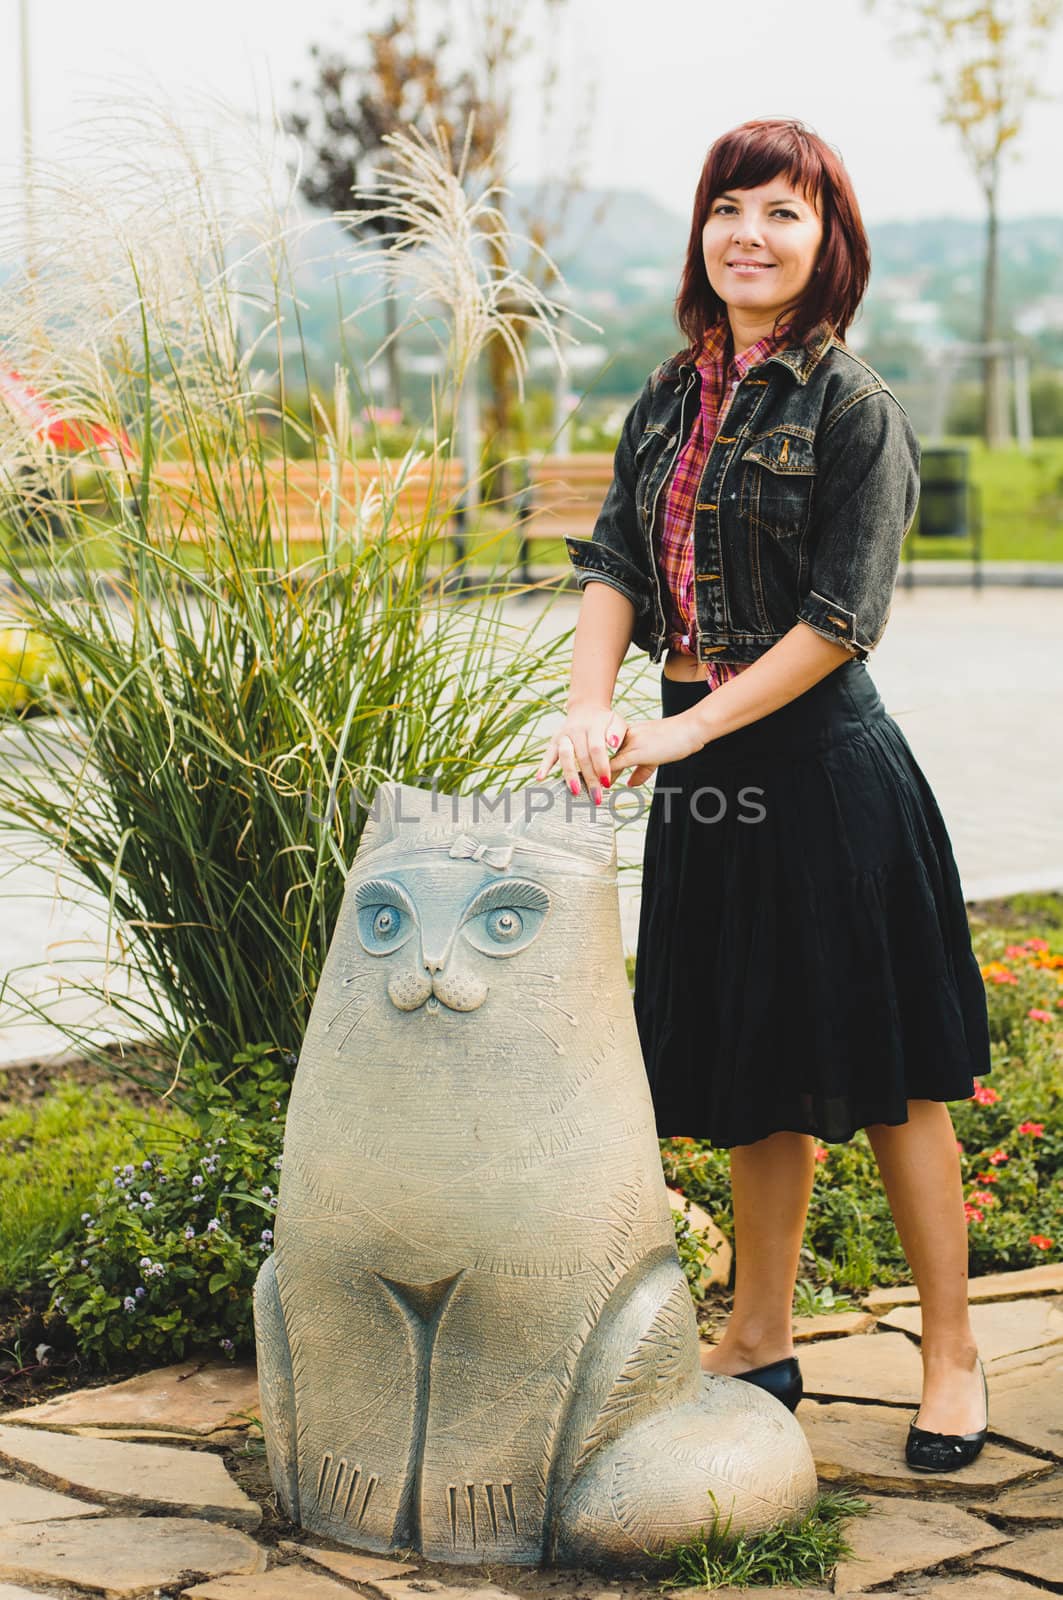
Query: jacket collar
(802,360)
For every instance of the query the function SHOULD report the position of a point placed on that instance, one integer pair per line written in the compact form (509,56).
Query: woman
(804,961)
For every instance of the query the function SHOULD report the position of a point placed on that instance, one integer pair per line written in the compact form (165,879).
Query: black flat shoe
(780,1378)
(944,1452)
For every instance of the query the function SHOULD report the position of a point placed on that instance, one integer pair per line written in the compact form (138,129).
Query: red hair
(752,154)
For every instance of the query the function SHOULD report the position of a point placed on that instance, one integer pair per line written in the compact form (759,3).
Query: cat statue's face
(475,961)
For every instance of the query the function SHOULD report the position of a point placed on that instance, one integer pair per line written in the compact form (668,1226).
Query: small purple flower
(86,1217)
(145,1262)
(190,1233)
(145,1166)
(278,1162)
(228,1346)
(140,1291)
(84,1261)
(197,1180)
(267,1234)
(129,1304)
(213,1225)
(145,1198)
(156,1270)
(267,1191)
(129,1169)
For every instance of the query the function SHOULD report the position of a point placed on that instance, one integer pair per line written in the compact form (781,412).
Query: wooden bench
(563,495)
(299,497)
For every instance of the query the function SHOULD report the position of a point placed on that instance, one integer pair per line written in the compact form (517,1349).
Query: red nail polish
(573,785)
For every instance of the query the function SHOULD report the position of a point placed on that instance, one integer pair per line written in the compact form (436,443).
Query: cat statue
(475,1337)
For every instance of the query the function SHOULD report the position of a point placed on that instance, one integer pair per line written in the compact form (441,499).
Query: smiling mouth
(749,266)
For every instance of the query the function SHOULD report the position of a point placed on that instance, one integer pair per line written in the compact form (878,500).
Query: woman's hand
(583,744)
(649,744)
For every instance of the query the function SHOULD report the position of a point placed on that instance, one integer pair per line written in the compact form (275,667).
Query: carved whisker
(558,1049)
(350,1030)
(570,1016)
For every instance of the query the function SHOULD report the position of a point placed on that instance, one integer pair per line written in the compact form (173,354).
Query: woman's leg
(771,1181)
(920,1168)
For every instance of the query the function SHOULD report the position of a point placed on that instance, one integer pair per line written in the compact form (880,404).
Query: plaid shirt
(674,544)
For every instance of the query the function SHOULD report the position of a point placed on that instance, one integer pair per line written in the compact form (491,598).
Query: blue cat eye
(385,917)
(505,917)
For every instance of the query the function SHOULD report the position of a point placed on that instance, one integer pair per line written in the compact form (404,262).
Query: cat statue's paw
(654,1486)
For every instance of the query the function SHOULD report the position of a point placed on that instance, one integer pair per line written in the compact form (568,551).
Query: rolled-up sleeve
(867,489)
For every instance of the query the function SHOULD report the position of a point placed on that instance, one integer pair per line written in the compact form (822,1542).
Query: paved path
(974,680)
(132,1487)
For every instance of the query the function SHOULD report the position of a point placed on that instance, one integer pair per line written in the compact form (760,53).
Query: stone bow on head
(498,856)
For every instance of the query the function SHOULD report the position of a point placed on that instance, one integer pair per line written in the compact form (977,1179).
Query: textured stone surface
(994,1286)
(1033,1502)
(449,1118)
(716,1254)
(865,1444)
(24,1502)
(1001,1328)
(349,1564)
(10,1591)
(124,1555)
(868,1366)
(833,1326)
(155,1475)
(283,1583)
(390,1590)
(978,1585)
(902,1535)
(1024,1399)
(1037,1555)
(191,1398)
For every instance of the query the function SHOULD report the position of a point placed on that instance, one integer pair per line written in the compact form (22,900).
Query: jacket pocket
(777,483)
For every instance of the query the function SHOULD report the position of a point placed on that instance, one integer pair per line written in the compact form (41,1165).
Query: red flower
(1041,1242)
(989,1177)
(1013,950)
(986,1096)
(1037,944)
(983,1198)
(820,1153)
(1035,1014)
(972,1213)
(997,1157)
(1035,1129)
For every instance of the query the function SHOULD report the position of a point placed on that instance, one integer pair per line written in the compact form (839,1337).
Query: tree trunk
(995,428)
(391,311)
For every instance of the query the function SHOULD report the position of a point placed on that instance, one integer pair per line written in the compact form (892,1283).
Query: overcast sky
(666,79)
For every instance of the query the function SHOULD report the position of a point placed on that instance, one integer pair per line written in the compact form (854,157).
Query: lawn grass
(802,1552)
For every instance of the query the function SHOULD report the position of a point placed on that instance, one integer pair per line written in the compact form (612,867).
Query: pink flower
(972,1213)
(1035,1129)
(997,1157)
(1041,1242)
(1013,950)
(983,1198)
(1037,1015)
(820,1153)
(986,1096)
(1037,944)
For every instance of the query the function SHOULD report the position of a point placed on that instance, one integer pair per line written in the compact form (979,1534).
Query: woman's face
(774,226)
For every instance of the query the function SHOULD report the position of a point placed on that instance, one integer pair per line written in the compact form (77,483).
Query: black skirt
(804,957)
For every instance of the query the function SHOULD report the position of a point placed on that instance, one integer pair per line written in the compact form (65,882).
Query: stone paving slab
(192,1397)
(1002,1328)
(976,1586)
(1025,1401)
(1017,1285)
(283,1583)
(885,1367)
(832,1326)
(8,1591)
(123,1556)
(154,1475)
(24,1502)
(1033,1502)
(865,1444)
(1034,1555)
(900,1535)
(349,1564)
(409,1590)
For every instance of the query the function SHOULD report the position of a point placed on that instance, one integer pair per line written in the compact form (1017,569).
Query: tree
(984,59)
(343,116)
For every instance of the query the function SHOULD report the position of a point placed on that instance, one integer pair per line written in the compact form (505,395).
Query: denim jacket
(807,492)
